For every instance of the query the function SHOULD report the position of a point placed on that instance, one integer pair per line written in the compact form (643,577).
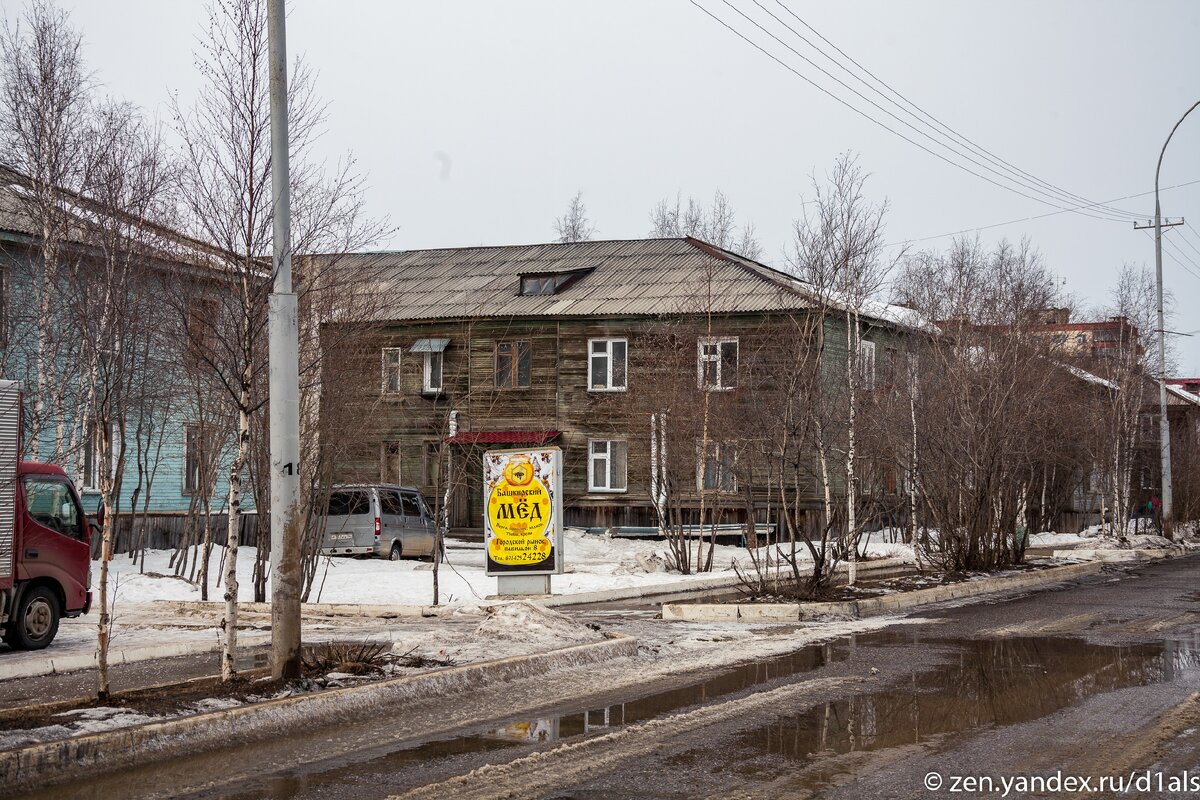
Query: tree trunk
(233,540)
(104,621)
(852,337)
(913,469)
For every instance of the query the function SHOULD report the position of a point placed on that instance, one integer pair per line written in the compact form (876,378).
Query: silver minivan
(378,519)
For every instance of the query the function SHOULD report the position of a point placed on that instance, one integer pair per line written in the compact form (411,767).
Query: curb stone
(78,661)
(80,757)
(1113,556)
(379,611)
(872,606)
(699,586)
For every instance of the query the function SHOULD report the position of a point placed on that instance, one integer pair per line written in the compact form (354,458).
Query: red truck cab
(52,558)
(45,540)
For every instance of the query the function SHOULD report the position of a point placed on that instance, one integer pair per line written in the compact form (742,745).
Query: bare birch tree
(574,225)
(1126,366)
(227,192)
(114,307)
(225,186)
(838,249)
(715,223)
(45,100)
(1000,416)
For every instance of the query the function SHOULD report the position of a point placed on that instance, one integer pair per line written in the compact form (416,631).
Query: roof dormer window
(539,283)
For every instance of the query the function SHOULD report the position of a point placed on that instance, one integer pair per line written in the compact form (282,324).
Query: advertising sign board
(522,518)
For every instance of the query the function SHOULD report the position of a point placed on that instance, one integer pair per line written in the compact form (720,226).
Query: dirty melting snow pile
(533,626)
(75,723)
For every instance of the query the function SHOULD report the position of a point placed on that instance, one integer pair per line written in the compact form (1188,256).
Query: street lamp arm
(1163,152)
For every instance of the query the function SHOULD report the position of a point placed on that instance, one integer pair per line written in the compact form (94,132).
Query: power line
(883,125)
(1175,258)
(1188,232)
(950,147)
(1182,257)
(1036,216)
(974,146)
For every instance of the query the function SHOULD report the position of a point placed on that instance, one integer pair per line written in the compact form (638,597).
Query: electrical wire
(883,125)
(1186,234)
(1181,257)
(1174,258)
(965,141)
(1034,217)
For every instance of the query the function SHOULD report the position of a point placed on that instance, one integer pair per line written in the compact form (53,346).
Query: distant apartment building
(1088,340)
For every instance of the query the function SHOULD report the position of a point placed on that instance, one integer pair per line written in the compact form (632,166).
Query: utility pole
(1164,425)
(284,369)
(1164,428)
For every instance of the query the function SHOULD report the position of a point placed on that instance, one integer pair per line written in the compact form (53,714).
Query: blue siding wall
(167,491)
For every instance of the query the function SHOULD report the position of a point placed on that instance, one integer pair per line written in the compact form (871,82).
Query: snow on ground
(76,723)
(593,562)
(533,624)
(1051,539)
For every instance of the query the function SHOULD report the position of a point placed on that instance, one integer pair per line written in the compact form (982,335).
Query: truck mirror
(92,530)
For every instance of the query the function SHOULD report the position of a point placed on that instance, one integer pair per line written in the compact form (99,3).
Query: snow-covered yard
(593,563)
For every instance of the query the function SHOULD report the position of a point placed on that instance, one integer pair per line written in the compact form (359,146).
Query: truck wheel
(36,621)
(395,554)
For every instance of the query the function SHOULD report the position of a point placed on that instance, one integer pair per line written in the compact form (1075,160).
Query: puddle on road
(371,778)
(982,683)
(987,683)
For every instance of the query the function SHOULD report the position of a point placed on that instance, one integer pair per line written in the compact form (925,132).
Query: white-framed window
(715,469)
(608,465)
(717,363)
(433,372)
(431,351)
(389,462)
(866,363)
(608,365)
(390,368)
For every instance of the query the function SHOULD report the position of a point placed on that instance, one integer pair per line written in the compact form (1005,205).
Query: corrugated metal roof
(631,277)
(81,217)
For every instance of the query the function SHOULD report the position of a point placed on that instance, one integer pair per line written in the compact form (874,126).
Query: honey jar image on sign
(519,512)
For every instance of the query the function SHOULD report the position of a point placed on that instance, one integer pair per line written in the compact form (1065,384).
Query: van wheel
(395,555)
(36,621)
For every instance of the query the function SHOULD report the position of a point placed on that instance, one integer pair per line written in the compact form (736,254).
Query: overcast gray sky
(477,121)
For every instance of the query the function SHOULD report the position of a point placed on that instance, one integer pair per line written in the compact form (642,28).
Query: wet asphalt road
(1089,680)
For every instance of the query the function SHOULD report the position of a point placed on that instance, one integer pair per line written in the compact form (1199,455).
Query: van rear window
(348,504)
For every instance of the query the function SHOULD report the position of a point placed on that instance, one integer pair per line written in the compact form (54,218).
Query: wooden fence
(171,531)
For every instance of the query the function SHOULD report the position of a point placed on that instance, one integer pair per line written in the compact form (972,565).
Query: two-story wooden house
(566,344)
